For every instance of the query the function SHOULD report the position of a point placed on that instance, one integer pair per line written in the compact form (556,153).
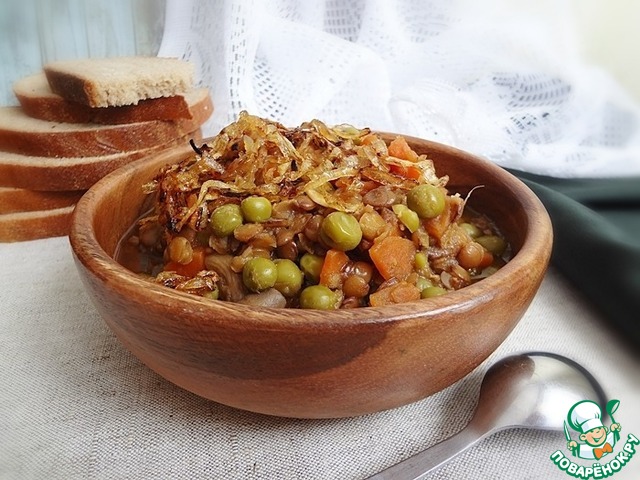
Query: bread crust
(14,200)
(33,225)
(38,101)
(22,134)
(81,119)
(71,173)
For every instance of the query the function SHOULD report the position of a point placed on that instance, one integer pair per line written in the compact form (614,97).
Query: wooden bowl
(304,363)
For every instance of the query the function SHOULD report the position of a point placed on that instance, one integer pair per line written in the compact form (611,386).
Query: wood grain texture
(314,364)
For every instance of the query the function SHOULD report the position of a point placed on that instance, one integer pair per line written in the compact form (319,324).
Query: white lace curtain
(501,78)
(501,82)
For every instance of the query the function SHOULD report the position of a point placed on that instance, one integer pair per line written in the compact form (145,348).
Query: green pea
(225,219)
(471,229)
(408,217)
(427,200)
(256,209)
(259,274)
(289,279)
(493,243)
(213,294)
(422,283)
(318,297)
(432,292)
(421,261)
(311,266)
(341,231)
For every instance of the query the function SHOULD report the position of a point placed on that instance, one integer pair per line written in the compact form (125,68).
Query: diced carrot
(399,148)
(369,138)
(413,173)
(438,225)
(399,293)
(190,269)
(334,263)
(393,256)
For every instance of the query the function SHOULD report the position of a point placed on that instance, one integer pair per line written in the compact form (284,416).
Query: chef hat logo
(585,416)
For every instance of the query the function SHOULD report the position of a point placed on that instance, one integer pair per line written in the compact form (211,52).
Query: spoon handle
(415,467)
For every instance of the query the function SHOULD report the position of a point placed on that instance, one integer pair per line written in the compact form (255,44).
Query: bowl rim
(86,249)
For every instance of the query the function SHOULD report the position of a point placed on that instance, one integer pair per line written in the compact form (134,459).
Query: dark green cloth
(596,226)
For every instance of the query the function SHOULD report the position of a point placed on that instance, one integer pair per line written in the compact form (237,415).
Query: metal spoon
(530,390)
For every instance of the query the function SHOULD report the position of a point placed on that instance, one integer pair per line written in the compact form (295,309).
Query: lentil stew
(310,217)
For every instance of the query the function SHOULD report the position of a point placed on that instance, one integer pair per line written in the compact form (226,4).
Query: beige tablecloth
(75,404)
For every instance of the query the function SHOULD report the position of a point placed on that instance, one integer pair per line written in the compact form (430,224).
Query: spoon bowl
(533,390)
(530,390)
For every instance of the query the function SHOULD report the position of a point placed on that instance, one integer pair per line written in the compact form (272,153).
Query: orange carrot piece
(399,148)
(393,256)
(369,139)
(334,263)
(438,225)
(192,268)
(399,293)
(410,172)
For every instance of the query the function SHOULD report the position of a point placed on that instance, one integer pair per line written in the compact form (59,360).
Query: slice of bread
(22,134)
(23,226)
(71,173)
(15,200)
(38,101)
(115,81)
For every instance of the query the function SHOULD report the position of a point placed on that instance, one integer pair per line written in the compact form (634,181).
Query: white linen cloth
(74,404)
(493,77)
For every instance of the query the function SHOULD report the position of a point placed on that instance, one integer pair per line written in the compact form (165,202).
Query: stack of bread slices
(81,119)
